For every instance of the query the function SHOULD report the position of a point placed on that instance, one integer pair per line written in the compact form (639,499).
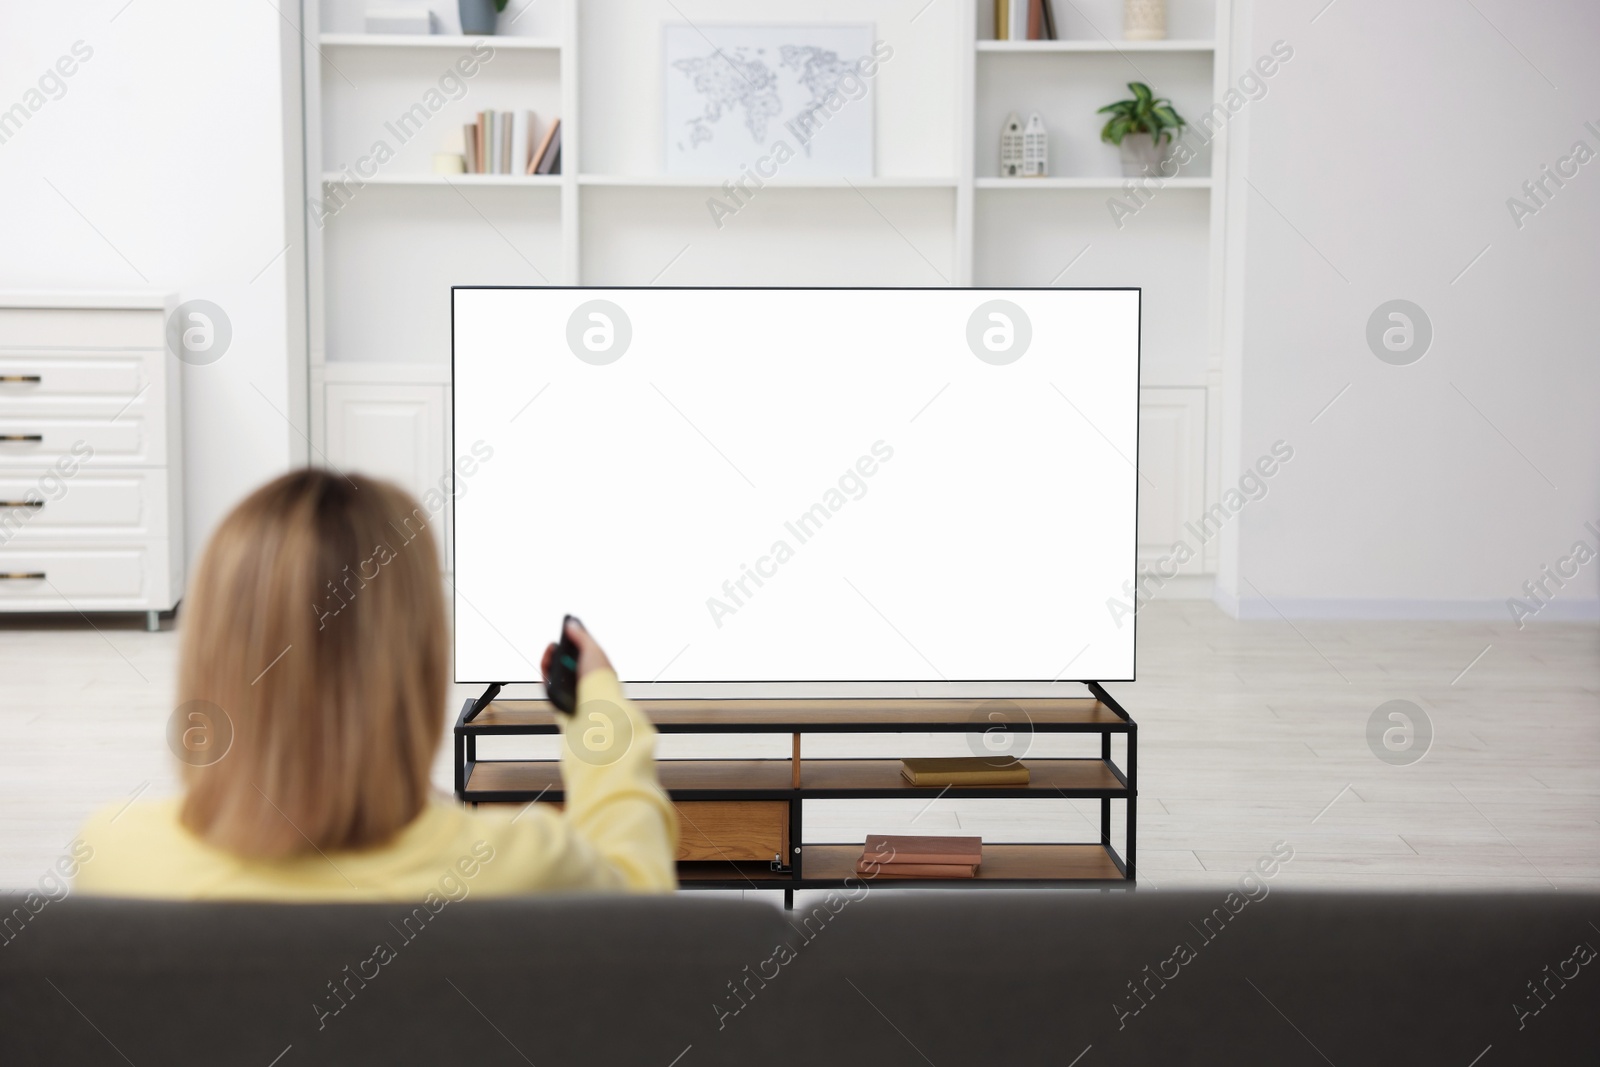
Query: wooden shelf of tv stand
(822,715)
(1007,865)
(1001,863)
(503,781)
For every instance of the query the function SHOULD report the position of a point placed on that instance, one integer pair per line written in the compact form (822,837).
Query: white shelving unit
(935,212)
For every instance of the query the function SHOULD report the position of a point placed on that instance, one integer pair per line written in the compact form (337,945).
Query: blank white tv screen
(769,485)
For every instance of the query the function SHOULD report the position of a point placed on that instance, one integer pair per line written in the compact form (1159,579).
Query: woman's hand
(591,657)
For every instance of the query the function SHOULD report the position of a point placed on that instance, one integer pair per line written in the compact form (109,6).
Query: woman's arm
(614,802)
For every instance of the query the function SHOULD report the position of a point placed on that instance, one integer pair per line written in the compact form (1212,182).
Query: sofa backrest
(875,976)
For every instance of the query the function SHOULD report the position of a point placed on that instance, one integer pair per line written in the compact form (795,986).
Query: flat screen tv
(797,485)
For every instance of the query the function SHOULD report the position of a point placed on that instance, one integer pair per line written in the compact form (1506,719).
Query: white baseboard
(1187,587)
(1250,608)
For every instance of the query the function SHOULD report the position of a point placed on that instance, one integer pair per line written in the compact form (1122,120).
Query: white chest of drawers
(91,479)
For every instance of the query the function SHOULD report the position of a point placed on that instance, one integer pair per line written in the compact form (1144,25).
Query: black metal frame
(467,731)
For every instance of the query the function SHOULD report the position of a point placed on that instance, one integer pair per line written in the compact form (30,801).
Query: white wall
(171,170)
(1381,161)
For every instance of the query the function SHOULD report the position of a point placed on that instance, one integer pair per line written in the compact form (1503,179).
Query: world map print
(734,93)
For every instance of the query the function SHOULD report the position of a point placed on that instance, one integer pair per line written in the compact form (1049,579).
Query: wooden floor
(1251,733)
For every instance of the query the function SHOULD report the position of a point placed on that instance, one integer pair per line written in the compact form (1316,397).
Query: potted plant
(477,16)
(1143,128)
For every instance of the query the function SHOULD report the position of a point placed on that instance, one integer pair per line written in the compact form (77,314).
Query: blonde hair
(316,623)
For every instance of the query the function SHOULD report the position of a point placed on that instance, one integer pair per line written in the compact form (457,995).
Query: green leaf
(1141,92)
(1169,118)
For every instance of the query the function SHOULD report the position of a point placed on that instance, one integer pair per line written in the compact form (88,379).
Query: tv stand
(742,819)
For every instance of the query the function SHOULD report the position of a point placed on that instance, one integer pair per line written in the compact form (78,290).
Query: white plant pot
(1142,156)
(1144,20)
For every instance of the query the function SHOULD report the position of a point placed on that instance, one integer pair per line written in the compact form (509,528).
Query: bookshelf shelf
(418,40)
(538,181)
(1108,183)
(681,182)
(746,816)
(1097,46)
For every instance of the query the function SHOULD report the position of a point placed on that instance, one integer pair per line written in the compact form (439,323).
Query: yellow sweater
(619,832)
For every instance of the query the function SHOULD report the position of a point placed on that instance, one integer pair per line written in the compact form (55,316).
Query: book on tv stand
(894,850)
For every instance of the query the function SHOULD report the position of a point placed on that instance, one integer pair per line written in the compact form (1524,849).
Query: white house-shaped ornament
(1011,147)
(1035,148)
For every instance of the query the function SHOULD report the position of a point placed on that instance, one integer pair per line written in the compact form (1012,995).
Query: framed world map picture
(784,101)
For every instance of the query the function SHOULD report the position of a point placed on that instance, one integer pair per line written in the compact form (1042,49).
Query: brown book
(964,770)
(551,163)
(535,167)
(483,142)
(469,146)
(916,870)
(544,160)
(530,146)
(891,850)
(1035,20)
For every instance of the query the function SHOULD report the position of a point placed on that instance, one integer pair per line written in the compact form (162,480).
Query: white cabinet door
(395,432)
(1172,450)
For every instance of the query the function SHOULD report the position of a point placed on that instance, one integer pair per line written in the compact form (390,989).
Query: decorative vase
(477,17)
(1143,155)
(1142,20)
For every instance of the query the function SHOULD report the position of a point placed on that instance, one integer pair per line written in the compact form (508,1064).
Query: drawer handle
(21,437)
(30,378)
(21,576)
(21,503)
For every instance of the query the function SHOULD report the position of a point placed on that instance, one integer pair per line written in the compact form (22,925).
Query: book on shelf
(891,850)
(964,770)
(548,159)
(1024,20)
(916,870)
(496,144)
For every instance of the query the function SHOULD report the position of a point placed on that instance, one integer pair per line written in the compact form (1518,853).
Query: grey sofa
(1067,978)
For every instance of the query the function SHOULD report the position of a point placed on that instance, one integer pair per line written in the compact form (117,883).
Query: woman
(312,678)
